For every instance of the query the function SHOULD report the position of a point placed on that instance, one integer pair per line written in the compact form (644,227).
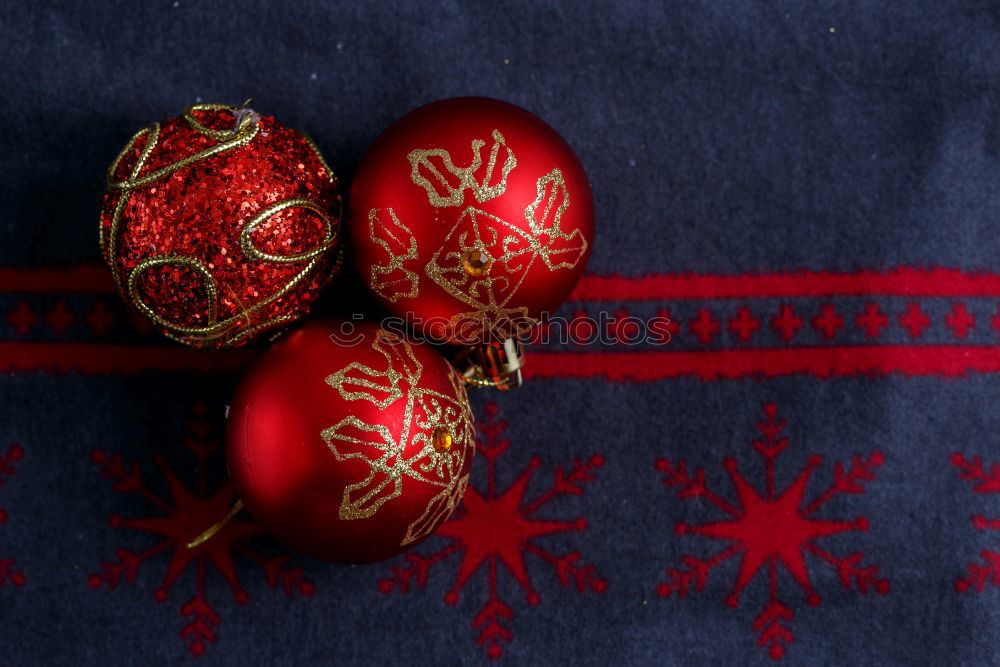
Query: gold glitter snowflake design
(483,259)
(429,444)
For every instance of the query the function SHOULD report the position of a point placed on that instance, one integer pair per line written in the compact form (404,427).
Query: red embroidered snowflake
(7,571)
(495,527)
(767,529)
(178,521)
(978,575)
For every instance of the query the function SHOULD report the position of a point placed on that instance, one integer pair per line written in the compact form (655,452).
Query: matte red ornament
(350,451)
(220,224)
(473,215)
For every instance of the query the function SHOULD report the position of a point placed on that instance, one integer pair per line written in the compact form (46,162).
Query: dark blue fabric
(720,137)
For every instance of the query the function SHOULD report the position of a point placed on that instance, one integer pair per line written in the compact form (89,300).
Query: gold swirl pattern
(503,252)
(253,252)
(175,260)
(427,415)
(237,327)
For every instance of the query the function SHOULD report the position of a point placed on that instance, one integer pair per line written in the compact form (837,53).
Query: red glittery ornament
(473,215)
(350,451)
(220,224)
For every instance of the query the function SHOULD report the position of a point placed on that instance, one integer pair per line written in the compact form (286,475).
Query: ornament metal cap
(496,364)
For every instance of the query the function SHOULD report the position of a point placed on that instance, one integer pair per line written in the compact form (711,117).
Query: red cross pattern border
(906,320)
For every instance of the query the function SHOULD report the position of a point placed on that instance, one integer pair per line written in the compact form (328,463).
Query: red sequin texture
(199,212)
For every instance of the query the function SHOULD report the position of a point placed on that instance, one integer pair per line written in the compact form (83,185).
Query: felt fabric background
(808,191)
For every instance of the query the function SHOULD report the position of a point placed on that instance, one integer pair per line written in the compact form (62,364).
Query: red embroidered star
(99,318)
(978,575)
(995,321)
(872,320)
(22,318)
(705,326)
(60,318)
(914,319)
(178,523)
(960,320)
(494,528)
(786,322)
(829,321)
(666,330)
(7,571)
(744,324)
(767,529)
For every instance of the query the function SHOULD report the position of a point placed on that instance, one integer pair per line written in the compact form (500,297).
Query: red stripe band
(895,282)
(824,362)
(899,282)
(632,366)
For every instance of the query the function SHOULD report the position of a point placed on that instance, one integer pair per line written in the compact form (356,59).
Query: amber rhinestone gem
(441,439)
(476,262)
